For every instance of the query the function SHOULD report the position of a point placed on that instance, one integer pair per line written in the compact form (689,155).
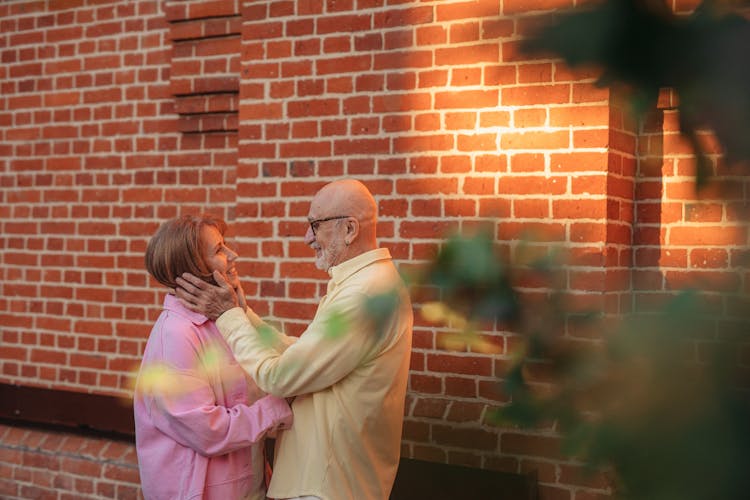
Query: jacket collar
(342,271)
(171,303)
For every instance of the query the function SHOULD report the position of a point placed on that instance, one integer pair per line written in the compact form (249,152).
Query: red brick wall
(117,115)
(46,465)
(685,238)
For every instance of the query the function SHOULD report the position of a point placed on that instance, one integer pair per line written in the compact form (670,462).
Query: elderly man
(347,371)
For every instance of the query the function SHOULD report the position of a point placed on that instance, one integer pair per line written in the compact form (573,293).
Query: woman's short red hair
(175,248)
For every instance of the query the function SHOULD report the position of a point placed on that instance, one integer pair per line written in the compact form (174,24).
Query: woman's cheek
(233,279)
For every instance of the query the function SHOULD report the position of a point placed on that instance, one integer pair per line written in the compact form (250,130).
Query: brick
(305,149)
(579,116)
(460,208)
(578,209)
(469,99)
(432,78)
(475,439)
(706,236)
(533,117)
(464,32)
(535,73)
(477,142)
(61,99)
(401,60)
(530,185)
(529,162)
(476,54)
(394,103)
(703,212)
(520,6)
(403,17)
(589,93)
(426,186)
(314,107)
(399,39)
(426,122)
(469,365)
(434,142)
(432,230)
(429,408)
(535,95)
(337,44)
(500,75)
(535,140)
(705,280)
(525,444)
(480,185)
(531,208)
(344,23)
(48,356)
(464,411)
(466,10)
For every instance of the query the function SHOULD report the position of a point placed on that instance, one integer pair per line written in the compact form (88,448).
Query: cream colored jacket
(349,379)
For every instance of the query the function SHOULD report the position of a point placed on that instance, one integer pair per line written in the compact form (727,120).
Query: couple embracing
(216,379)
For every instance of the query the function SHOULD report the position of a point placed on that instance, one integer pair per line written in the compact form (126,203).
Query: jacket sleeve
(183,405)
(334,344)
(270,335)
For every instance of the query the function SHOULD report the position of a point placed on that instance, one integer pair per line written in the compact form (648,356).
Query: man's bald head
(347,197)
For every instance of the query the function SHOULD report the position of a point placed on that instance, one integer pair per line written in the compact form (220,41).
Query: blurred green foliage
(473,279)
(658,398)
(661,400)
(380,309)
(641,46)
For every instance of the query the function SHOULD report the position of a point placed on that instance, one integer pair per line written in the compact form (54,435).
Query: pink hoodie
(198,420)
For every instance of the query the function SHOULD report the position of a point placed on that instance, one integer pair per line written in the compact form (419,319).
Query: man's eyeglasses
(314,224)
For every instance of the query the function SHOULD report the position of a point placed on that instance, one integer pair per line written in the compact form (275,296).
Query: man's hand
(205,298)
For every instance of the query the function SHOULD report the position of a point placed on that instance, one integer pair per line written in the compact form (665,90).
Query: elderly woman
(199,420)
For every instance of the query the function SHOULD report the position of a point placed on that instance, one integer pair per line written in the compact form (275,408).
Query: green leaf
(336,325)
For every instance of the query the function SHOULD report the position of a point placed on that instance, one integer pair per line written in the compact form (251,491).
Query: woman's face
(217,255)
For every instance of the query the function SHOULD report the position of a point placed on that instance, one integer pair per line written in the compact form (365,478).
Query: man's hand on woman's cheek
(205,298)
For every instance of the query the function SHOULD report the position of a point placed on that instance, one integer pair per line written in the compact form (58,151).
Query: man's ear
(352,229)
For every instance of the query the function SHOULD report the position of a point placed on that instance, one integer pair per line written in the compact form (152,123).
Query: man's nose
(309,236)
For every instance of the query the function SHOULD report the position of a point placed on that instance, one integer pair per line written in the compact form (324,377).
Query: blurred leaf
(514,380)
(578,439)
(472,279)
(267,335)
(336,325)
(670,427)
(634,401)
(435,312)
(381,307)
(642,47)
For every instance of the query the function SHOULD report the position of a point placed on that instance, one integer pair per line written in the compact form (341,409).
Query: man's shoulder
(374,274)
